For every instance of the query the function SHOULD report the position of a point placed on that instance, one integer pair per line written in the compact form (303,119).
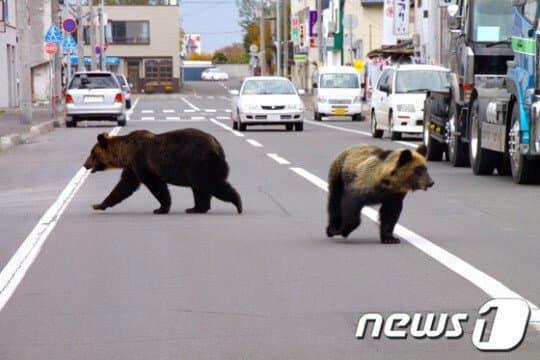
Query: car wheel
(394,135)
(375,133)
(457,150)
(242,127)
(128,104)
(71,122)
(122,122)
(483,161)
(299,126)
(524,171)
(357,117)
(289,127)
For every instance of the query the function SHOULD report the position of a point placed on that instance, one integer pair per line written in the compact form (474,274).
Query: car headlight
(322,99)
(405,108)
(296,106)
(250,107)
(357,99)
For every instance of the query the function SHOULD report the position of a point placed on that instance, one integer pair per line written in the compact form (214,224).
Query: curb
(11,140)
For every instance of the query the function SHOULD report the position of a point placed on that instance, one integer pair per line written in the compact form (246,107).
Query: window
(93,81)
(339,81)
(420,81)
(383,80)
(158,69)
(530,10)
(130,32)
(492,20)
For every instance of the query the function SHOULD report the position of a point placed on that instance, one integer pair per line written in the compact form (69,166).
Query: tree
(199,57)
(219,58)
(252,37)
(235,53)
(246,12)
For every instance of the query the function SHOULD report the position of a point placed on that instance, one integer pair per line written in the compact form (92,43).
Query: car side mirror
(234,92)
(301,92)
(315,85)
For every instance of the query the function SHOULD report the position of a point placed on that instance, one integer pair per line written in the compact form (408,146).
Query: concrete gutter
(11,140)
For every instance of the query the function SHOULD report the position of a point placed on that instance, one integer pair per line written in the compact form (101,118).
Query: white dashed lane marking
(168,111)
(147,111)
(254,143)
(278,159)
(210,110)
(189,110)
(148,118)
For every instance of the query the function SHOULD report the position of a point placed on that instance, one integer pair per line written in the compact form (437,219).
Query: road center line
(486,283)
(188,103)
(254,143)
(278,159)
(14,271)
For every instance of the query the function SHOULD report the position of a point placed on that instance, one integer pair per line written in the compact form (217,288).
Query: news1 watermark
(500,325)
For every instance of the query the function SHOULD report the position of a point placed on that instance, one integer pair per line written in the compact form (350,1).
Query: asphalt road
(268,284)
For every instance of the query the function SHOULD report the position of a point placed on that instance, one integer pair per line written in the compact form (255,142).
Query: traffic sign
(53,35)
(69,44)
(51,48)
(69,25)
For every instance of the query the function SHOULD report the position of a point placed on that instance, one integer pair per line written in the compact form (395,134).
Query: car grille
(339,101)
(273,107)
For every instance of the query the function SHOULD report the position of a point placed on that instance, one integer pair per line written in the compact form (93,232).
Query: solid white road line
(14,271)
(278,159)
(228,128)
(188,103)
(486,283)
(147,111)
(338,128)
(168,111)
(254,143)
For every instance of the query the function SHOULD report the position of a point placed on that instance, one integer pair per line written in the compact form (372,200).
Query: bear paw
(390,240)
(331,232)
(99,207)
(196,211)
(161,211)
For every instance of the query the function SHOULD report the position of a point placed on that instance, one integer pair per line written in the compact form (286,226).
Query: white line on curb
(254,143)
(486,283)
(188,103)
(14,271)
(278,159)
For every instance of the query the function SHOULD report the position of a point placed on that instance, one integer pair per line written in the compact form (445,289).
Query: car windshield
(415,81)
(339,81)
(492,20)
(268,87)
(93,81)
(121,80)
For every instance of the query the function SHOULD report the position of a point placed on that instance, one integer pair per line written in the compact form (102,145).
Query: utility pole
(278,37)
(23,50)
(262,61)
(320,40)
(101,35)
(286,42)
(57,63)
(80,37)
(92,29)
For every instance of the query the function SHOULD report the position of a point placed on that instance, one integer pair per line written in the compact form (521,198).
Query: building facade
(365,32)
(8,55)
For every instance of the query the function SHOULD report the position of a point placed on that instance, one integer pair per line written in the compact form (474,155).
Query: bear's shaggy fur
(367,175)
(187,157)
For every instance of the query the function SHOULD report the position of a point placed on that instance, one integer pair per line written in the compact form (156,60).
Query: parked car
(126,87)
(94,95)
(268,101)
(338,93)
(214,74)
(397,102)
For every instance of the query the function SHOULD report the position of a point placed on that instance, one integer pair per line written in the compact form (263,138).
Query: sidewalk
(13,133)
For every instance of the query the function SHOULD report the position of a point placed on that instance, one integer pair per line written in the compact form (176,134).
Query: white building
(8,55)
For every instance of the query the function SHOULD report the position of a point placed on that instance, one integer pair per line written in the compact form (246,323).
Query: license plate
(274,117)
(93,99)
(340,111)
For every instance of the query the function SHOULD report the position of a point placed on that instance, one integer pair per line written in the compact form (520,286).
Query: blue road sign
(68,43)
(53,34)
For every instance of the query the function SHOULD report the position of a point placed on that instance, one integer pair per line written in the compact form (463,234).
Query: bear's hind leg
(335,194)
(389,216)
(202,202)
(225,192)
(159,189)
(351,206)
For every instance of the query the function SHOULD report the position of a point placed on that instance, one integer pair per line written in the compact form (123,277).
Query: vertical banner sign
(312,22)
(295,30)
(401,17)
(388,23)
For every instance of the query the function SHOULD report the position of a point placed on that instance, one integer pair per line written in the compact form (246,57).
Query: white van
(339,93)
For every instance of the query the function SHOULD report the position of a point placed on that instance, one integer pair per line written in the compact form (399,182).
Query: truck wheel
(394,135)
(524,171)
(435,149)
(457,150)
(483,161)
(375,133)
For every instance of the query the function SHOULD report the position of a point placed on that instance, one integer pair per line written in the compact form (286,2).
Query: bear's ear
(405,157)
(422,150)
(103,139)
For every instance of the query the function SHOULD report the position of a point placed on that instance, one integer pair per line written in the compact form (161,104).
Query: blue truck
(488,117)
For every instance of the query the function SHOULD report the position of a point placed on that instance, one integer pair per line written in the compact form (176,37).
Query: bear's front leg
(389,216)
(351,206)
(127,185)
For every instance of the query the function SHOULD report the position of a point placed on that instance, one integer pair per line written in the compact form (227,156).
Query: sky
(215,20)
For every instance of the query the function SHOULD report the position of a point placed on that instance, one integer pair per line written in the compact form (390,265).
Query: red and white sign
(69,25)
(51,48)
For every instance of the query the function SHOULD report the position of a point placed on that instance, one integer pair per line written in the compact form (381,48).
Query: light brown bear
(367,175)
(187,157)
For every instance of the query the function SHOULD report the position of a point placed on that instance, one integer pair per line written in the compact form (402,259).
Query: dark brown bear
(367,175)
(188,157)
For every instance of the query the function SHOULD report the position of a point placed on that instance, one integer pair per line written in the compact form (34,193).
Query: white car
(397,102)
(339,93)
(214,74)
(267,101)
